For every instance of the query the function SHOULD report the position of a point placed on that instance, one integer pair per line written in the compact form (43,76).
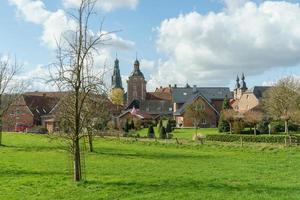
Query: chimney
(175,85)
(169,85)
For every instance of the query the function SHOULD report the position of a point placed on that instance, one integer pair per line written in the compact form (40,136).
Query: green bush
(263,127)
(223,126)
(251,138)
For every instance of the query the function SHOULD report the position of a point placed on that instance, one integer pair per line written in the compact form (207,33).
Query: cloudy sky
(202,42)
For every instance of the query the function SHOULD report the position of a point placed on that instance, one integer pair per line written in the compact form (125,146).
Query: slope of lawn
(34,167)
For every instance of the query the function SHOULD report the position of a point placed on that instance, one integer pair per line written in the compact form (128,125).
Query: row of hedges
(251,138)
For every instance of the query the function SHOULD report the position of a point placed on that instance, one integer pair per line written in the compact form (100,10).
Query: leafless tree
(10,87)
(230,116)
(196,112)
(74,72)
(253,118)
(282,101)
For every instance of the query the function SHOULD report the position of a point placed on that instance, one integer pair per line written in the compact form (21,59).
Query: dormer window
(184,93)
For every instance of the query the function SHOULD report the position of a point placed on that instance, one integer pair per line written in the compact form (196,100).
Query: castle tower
(136,84)
(117,91)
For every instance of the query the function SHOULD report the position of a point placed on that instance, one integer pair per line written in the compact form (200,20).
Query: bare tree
(282,100)
(74,72)
(229,115)
(10,87)
(253,118)
(196,112)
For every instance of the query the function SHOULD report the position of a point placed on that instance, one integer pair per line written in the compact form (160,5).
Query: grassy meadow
(35,167)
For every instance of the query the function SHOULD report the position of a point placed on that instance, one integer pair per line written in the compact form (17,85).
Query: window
(184,93)
(203,121)
(147,109)
(170,109)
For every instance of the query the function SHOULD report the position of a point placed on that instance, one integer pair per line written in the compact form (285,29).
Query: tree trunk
(77,161)
(90,138)
(286,129)
(1,130)
(230,128)
(255,129)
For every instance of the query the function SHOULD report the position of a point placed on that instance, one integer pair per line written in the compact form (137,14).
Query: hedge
(252,138)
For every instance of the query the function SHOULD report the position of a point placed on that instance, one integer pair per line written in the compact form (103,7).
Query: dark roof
(191,100)
(183,94)
(40,105)
(259,91)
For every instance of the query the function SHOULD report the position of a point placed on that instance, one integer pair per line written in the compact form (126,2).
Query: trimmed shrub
(168,127)
(223,126)
(159,125)
(251,138)
(162,133)
(151,133)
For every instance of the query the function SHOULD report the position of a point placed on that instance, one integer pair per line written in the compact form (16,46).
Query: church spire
(237,84)
(116,81)
(244,86)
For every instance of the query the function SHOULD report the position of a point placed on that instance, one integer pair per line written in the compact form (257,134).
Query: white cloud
(147,64)
(211,49)
(106,5)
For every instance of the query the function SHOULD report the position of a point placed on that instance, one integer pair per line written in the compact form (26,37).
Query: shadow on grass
(36,148)
(22,172)
(148,155)
(194,186)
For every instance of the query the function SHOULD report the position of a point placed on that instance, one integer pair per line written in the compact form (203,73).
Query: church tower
(136,84)
(240,88)
(117,91)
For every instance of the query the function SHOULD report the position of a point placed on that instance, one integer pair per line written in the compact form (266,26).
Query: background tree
(10,87)
(117,96)
(281,101)
(96,117)
(74,72)
(229,115)
(223,125)
(196,112)
(253,118)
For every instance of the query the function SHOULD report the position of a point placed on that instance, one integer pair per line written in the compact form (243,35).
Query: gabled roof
(137,113)
(191,100)
(183,94)
(40,105)
(159,96)
(259,91)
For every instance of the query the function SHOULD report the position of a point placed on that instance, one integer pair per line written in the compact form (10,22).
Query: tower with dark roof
(117,91)
(240,87)
(116,81)
(244,85)
(136,84)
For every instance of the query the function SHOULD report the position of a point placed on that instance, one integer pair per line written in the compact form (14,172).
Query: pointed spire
(237,84)
(244,85)
(116,81)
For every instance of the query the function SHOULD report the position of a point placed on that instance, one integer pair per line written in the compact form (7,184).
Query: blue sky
(163,47)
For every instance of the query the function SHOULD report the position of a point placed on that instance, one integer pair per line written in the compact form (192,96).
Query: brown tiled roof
(159,96)
(47,94)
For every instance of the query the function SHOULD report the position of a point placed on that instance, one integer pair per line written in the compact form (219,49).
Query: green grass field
(35,167)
